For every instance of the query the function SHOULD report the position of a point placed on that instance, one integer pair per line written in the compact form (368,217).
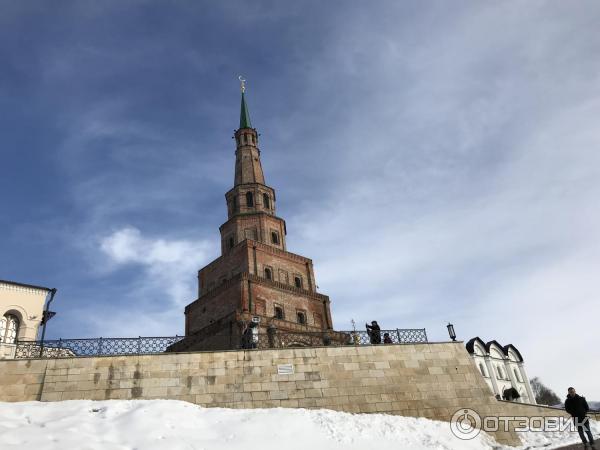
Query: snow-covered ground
(173,425)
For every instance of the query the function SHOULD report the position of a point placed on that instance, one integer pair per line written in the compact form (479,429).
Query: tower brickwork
(255,276)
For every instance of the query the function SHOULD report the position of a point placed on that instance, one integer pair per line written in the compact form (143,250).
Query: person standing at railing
(250,336)
(387,339)
(374,332)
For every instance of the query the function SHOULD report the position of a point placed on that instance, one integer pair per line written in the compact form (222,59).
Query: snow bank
(173,425)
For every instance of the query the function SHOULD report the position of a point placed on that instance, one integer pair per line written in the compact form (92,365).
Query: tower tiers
(255,277)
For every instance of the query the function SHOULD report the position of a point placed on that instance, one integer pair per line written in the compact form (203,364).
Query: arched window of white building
(500,374)
(9,329)
(482,370)
(3,323)
(517,376)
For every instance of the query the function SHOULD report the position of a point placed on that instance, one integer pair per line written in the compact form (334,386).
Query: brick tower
(255,277)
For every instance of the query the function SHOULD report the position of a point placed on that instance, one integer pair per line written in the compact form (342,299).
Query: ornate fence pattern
(281,339)
(94,347)
(65,348)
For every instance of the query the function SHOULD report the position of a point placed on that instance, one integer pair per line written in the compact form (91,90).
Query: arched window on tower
(268,274)
(301,317)
(9,329)
(279,312)
(266,201)
(275,237)
(249,199)
(298,282)
(234,203)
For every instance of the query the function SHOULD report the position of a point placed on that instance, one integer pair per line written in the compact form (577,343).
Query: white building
(21,312)
(502,368)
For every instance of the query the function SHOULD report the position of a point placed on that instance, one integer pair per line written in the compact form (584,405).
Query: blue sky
(438,162)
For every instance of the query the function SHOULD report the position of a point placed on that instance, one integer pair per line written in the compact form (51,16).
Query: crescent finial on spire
(242,84)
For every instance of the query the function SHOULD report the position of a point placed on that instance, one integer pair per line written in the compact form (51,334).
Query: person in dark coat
(250,336)
(577,406)
(247,338)
(387,339)
(510,394)
(374,332)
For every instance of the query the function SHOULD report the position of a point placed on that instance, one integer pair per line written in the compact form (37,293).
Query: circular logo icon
(465,423)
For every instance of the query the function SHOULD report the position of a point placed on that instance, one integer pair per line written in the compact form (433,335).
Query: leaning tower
(256,279)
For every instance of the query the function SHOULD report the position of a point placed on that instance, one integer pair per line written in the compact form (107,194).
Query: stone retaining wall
(424,380)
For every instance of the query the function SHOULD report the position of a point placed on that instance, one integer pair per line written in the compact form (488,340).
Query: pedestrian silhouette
(374,332)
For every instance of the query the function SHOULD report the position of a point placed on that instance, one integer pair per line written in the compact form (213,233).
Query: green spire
(244,115)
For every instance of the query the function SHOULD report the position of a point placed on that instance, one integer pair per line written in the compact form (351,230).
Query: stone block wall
(422,380)
(22,380)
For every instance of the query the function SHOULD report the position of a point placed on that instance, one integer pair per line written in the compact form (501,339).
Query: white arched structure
(21,311)
(9,328)
(501,367)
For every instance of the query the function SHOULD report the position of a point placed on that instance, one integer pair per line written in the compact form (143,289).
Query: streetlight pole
(451,332)
(45,318)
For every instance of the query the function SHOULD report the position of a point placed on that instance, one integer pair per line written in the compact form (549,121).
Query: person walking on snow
(577,406)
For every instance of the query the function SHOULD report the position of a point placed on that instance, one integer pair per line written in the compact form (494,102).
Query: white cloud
(468,184)
(168,265)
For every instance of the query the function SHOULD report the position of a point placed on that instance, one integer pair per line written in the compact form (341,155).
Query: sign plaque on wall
(285,369)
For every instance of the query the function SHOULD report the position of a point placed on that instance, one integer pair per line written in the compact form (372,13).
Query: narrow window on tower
(279,312)
(268,274)
(249,200)
(266,201)
(234,202)
(301,317)
(298,282)
(231,242)
(275,237)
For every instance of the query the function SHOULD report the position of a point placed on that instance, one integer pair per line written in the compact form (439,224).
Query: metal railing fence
(271,338)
